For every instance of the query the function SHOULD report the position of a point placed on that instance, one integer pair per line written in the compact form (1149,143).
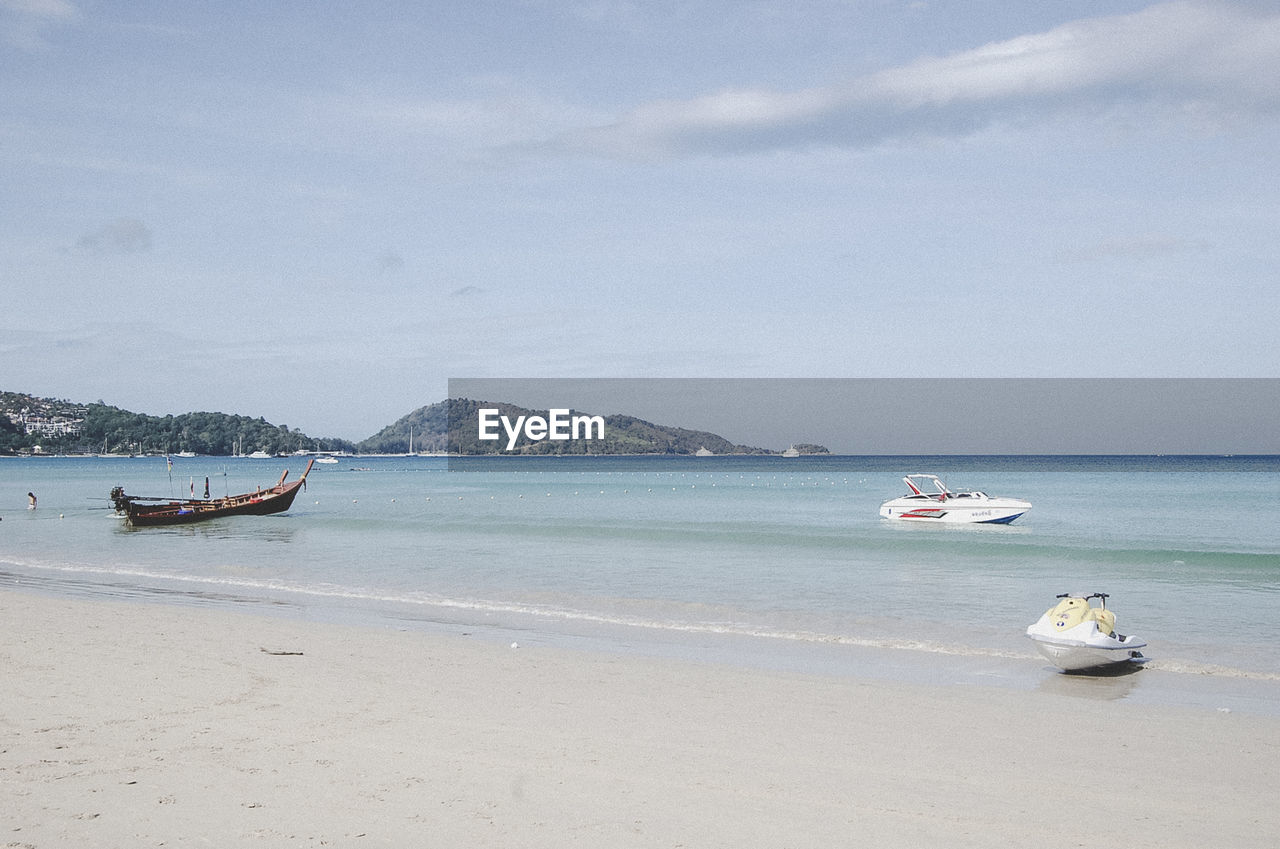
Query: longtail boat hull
(149,512)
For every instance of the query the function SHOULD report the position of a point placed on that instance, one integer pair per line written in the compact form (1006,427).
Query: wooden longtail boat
(142,511)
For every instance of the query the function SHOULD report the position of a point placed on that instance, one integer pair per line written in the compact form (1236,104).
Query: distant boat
(791,452)
(260,455)
(185,454)
(142,511)
(326,458)
(703,452)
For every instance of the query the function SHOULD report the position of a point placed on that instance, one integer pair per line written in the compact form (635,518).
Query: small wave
(1187,667)
(254,589)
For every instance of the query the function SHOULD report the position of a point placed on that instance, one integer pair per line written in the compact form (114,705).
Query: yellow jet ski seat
(1071,611)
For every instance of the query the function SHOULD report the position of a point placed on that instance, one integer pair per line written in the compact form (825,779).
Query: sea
(756,561)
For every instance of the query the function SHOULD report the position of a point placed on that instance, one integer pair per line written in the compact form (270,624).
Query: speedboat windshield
(917,484)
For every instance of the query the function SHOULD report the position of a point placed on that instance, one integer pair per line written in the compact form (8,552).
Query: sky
(320,213)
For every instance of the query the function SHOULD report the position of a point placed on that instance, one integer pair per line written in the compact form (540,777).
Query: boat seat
(1105,618)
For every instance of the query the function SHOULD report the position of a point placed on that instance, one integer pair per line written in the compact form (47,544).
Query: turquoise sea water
(752,560)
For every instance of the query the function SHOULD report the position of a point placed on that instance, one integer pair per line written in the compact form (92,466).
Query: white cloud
(1140,247)
(1197,55)
(52,10)
(494,115)
(25,21)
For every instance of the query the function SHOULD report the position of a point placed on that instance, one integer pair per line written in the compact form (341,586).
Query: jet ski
(1075,636)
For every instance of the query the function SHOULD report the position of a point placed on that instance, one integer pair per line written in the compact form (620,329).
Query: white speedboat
(1074,636)
(943,505)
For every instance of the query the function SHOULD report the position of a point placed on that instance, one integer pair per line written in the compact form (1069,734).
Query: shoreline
(128,724)
(1009,663)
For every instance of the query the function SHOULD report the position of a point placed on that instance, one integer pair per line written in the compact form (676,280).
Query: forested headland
(50,426)
(33,425)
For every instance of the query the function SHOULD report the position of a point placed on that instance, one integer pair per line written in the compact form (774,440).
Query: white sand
(134,725)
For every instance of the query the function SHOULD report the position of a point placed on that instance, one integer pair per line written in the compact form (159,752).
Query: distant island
(450,427)
(807,448)
(34,425)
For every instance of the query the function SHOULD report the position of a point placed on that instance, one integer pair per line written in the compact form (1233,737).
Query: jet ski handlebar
(1103,596)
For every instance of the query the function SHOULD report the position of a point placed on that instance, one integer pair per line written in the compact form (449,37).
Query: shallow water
(759,560)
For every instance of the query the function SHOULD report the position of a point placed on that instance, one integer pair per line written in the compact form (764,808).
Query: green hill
(452,427)
(63,427)
(30,424)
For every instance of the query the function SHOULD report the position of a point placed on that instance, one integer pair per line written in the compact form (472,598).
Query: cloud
(50,10)
(25,21)
(494,114)
(1146,246)
(1197,55)
(122,236)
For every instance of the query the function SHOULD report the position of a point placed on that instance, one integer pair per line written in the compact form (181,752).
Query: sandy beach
(140,724)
